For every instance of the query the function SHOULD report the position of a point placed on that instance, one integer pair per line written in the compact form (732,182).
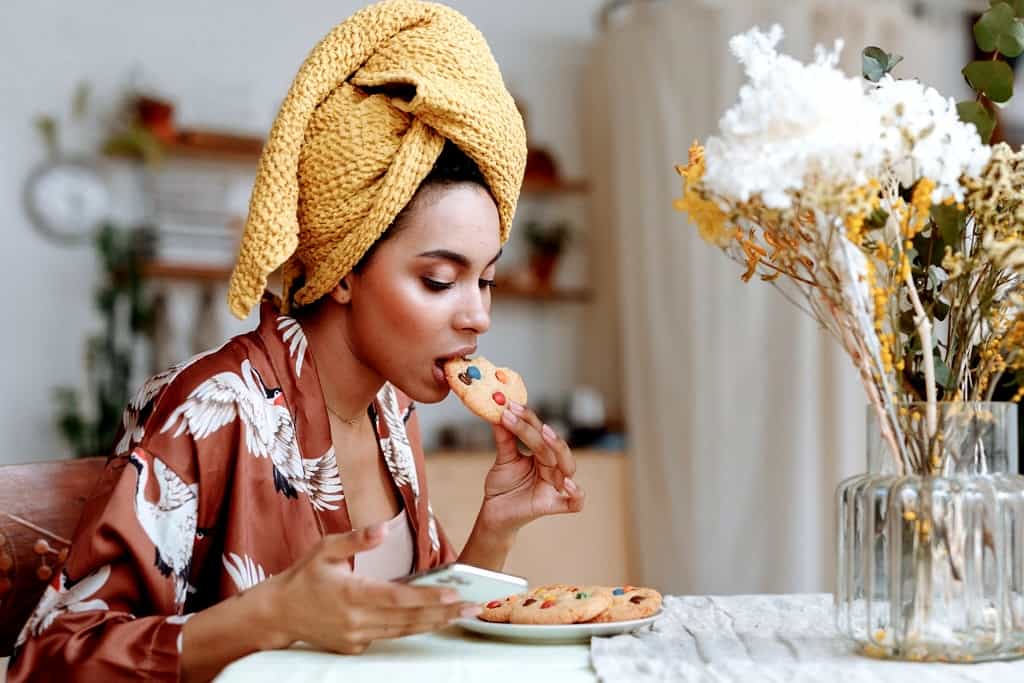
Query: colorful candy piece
(547,603)
(582,594)
(501,376)
(493,603)
(465,379)
(618,591)
(528,602)
(474,372)
(499,398)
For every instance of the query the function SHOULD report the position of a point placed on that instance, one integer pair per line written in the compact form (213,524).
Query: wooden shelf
(192,272)
(505,290)
(245,149)
(214,146)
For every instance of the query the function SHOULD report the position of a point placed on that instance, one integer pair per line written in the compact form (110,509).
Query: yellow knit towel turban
(363,123)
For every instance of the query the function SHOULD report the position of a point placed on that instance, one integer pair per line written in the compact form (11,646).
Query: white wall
(227,64)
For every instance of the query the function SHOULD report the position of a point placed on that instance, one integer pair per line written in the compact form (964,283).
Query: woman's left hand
(521,487)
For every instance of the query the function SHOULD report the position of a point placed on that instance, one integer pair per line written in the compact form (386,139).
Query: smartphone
(472,583)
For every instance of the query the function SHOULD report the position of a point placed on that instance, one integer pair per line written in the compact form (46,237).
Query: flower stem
(924,328)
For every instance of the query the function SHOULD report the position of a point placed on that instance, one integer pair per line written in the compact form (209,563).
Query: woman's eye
(487,283)
(437,285)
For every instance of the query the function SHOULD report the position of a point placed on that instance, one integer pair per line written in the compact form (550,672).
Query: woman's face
(425,294)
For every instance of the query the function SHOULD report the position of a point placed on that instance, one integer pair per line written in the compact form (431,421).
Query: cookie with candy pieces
(628,603)
(561,606)
(483,387)
(499,611)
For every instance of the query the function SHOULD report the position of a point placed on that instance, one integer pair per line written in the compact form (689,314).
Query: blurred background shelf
(206,273)
(224,147)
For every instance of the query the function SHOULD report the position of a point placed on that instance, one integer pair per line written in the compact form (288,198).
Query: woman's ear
(341,293)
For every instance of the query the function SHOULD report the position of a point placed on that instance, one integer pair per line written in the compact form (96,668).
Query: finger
(557,505)
(558,447)
(553,476)
(412,628)
(349,646)
(506,449)
(577,497)
(524,427)
(411,617)
(391,594)
(337,547)
(566,460)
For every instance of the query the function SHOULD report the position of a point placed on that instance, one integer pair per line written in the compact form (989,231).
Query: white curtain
(742,415)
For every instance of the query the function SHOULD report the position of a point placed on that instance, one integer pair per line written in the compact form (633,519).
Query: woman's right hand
(320,601)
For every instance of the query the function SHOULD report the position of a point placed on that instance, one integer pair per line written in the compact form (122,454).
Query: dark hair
(452,167)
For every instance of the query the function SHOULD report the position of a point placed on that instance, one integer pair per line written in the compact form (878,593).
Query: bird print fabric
(225,475)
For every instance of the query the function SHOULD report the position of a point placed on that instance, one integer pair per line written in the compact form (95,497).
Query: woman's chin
(427,392)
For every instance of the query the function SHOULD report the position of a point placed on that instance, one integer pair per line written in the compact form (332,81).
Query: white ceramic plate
(562,633)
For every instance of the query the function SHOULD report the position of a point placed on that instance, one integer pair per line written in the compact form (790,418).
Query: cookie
(552,588)
(500,610)
(561,607)
(484,388)
(628,603)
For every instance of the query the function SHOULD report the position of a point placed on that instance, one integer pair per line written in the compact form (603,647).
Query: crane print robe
(224,475)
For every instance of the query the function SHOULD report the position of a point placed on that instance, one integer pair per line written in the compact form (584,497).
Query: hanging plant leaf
(992,78)
(999,30)
(980,116)
(1017,5)
(876,62)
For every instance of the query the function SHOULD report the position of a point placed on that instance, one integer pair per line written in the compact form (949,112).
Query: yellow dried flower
(711,220)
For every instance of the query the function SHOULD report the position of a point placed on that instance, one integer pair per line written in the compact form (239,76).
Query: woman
(264,493)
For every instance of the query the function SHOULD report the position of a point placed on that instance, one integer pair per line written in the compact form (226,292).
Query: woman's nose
(475,313)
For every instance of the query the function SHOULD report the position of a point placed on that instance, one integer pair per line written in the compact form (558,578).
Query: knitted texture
(363,123)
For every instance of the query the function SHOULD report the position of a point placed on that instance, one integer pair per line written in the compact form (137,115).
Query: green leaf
(876,62)
(999,30)
(980,116)
(951,222)
(943,375)
(876,219)
(993,78)
(1018,5)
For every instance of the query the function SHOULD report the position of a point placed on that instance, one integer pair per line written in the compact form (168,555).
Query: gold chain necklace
(346,420)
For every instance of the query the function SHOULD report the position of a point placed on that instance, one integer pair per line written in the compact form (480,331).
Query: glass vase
(931,551)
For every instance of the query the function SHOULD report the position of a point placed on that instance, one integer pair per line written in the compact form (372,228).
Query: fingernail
(470,610)
(508,418)
(515,407)
(549,433)
(570,485)
(449,597)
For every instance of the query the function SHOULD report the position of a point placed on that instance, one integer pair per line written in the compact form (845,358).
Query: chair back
(40,504)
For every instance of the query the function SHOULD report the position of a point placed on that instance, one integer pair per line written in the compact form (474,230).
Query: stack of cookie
(567,604)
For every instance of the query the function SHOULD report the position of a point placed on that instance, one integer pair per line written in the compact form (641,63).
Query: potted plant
(545,242)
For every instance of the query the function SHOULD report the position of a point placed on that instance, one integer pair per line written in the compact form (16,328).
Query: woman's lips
(439,375)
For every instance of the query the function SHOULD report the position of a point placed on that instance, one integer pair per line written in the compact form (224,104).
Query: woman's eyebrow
(455,257)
